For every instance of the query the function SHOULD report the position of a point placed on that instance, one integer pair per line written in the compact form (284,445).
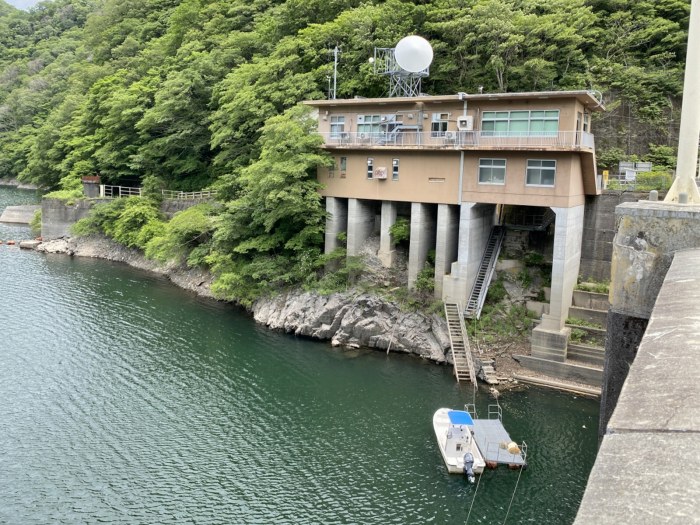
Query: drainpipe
(690,118)
(462,97)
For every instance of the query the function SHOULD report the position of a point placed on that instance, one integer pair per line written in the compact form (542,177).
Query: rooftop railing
(462,139)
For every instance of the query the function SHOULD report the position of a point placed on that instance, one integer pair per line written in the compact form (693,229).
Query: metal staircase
(483,278)
(461,353)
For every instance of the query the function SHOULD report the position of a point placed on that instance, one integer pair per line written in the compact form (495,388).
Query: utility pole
(335,52)
(686,168)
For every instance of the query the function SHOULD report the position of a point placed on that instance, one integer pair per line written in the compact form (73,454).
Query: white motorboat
(454,433)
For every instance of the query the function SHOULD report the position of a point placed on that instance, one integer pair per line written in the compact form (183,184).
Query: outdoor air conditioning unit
(380,173)
(363,136)
(450,136)
(465,123)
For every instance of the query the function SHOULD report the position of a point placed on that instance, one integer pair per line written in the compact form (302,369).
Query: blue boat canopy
(460,417)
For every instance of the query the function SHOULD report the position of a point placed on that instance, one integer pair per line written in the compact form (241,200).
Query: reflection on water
(125,399)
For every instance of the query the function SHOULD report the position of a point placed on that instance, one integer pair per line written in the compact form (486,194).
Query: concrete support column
(422,239)
(360,224)
(475,223)
(549,339)
(336,221)
(386,242)
(446,243)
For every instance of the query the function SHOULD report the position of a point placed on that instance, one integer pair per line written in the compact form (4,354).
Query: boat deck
(492,438)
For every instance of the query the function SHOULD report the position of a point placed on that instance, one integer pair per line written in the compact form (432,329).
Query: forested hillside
(194,93)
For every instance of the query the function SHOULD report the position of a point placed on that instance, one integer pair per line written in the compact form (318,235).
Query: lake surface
(124,399)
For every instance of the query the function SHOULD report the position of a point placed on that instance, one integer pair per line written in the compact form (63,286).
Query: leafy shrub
(594,286)
(497,292)
(188,230)
(35,224)
(401,230)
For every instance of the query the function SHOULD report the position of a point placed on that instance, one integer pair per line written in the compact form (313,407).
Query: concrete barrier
(19,214)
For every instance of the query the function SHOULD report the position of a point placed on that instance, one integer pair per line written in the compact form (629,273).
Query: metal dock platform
(493,440)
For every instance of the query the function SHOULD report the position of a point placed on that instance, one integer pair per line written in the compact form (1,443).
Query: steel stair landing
(459,342)
(486,269)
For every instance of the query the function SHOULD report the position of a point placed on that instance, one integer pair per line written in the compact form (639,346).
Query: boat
(454,430)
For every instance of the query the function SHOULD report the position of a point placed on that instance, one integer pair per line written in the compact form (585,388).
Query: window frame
(484,163)
(337,126)
(540,169)
(394,169)
(438,124)
(502,123)
(371,124)
(370,168)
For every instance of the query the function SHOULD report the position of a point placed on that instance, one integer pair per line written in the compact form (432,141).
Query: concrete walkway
(648,467)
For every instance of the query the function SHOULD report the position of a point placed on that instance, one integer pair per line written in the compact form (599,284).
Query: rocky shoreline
(345,319)
(14,183)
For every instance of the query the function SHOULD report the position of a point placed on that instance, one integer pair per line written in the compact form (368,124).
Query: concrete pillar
(475,223)
(336,221)
(386,242)
(361,218)
(549,339)
(446,243)
(422,239)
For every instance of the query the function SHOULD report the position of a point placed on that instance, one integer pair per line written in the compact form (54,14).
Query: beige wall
(423,177)
(567,190)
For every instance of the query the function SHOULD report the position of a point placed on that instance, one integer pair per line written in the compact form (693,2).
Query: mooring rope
(473,499)
(513,496)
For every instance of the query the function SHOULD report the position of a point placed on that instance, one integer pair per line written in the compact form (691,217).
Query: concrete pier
(361,218)
(446,243)
(422,239)
(336,221)
(386,242)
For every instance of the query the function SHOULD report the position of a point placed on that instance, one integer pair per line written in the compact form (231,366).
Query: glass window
(541,172)
(369,123)
(395,169)
(331,169)
(492,171)
(519,123)
(343,164)
(438,126)
(370,167)
(337,126)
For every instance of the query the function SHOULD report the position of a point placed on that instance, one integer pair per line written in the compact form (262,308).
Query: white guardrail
(114,192)
(554,139)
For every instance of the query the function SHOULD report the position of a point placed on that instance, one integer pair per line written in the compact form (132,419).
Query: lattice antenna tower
(405,65)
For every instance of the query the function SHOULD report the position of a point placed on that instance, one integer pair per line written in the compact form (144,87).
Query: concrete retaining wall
(57,217)
(19,214)
(599,231)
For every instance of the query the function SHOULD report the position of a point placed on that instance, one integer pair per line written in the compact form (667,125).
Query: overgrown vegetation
(191,94)
(594,286)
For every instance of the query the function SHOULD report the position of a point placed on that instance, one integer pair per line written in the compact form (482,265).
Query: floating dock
(494,441)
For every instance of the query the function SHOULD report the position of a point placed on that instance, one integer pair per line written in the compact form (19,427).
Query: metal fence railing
(115,192)
(495,139)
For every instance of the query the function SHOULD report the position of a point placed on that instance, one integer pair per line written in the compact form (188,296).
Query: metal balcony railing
(459,139)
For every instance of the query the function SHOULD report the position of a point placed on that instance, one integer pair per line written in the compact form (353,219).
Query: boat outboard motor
(468,467)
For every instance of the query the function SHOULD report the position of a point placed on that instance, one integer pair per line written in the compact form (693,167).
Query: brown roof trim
(587,98)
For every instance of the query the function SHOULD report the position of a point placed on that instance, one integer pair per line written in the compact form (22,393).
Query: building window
(438,126)
(541,172)
(370,167)
(343,166)
(519,123)
(369,123)
(395,169)
(331,169)
(492,171)
(337,126)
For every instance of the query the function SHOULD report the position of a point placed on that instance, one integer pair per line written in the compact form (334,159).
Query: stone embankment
(345,319)
(19,214)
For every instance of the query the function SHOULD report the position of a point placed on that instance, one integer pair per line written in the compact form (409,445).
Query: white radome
(413,53)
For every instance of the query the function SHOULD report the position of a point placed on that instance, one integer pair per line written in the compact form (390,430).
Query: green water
(124,399)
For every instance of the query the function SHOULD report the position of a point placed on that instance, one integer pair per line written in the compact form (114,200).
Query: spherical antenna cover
(413,53)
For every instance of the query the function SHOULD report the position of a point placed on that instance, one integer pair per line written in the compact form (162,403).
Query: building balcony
(464,140)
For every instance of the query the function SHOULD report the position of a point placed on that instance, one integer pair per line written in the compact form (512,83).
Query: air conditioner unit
(363,136)
(380,173)
(450,136)
(465,123)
